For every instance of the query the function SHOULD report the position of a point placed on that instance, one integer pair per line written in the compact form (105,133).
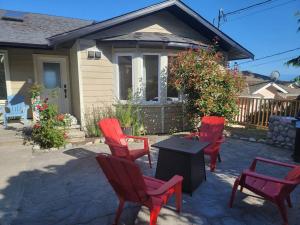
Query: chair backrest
(125,177)
(112,132)
(15,104)
(211,128)
(294,174)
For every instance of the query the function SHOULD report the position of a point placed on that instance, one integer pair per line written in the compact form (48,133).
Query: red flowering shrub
(49,131)
(209,87)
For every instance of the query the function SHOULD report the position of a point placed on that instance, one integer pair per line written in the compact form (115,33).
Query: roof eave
(25,45)
(60,38)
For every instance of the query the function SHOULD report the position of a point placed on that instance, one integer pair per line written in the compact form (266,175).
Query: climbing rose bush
(210,89)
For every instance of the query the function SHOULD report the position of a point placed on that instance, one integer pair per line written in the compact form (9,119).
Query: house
(261,86)
(91,64)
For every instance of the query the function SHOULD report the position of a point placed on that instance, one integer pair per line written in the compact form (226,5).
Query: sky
(264,30)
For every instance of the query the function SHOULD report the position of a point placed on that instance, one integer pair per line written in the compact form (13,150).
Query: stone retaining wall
(282,132)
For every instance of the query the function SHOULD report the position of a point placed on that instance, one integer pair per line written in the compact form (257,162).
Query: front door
(52,74)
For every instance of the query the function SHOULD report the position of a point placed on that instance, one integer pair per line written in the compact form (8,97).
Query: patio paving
(68,188)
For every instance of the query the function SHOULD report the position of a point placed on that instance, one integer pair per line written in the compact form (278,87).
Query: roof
(176,7)
(255,82)
(154,37)
(35,29)
(38,30)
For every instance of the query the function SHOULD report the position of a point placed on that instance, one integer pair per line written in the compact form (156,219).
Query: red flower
(60,117)
(36,126)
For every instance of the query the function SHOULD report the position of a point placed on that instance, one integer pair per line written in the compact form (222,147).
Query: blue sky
(264,30)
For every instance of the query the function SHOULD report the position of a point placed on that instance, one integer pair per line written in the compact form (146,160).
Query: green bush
(49,131)
(209,87)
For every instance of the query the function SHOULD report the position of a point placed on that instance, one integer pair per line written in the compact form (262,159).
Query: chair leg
(149,158)
(213,162)
(178,193)
(288,199)
(282,210)
(233,193)
(219,158)
(154,214)
(119,211)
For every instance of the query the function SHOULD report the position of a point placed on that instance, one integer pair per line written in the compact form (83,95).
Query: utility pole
(221,14)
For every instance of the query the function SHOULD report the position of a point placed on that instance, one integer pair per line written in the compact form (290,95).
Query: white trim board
(7,72)
(268,85)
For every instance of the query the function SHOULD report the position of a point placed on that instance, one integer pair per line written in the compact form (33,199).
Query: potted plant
(124,115)
(35,96)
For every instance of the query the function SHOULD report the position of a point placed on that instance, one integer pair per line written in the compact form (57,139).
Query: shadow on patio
(69,188)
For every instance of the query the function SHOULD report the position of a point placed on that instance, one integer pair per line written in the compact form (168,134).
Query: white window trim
(144,78)
(117,78)
(7,72)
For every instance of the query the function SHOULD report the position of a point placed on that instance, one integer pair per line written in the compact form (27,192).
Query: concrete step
(75,135)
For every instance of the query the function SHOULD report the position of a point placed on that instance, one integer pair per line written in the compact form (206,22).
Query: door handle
(65,90)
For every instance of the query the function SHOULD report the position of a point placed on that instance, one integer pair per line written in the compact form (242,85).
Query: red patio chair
(117,141)
(271,188)
(130,185)
(211,130)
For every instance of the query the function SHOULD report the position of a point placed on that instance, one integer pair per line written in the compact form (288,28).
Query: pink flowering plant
(49,131)
(208,86)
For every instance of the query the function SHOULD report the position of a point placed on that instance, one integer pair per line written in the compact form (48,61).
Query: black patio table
(181,156)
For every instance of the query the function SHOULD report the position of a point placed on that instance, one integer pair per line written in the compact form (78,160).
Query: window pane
(125,76)
(51,75)
(151,70)
(171,90)
(2,78)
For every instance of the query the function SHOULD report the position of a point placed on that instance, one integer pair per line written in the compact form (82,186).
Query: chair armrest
(145,139)
(175,180)
(253,165)
(115,144)
(267,178)
(136,137)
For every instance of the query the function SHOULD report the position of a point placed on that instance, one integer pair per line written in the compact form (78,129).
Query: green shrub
(94,116)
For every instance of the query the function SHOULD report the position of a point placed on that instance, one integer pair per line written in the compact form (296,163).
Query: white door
(52,74)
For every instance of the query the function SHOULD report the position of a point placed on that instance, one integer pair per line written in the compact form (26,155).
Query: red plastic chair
(130,185)
(211,130)
(271,188)
(117,141)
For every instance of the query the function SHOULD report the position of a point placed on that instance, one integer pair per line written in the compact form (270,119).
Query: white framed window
(125,79)
(5,88)
(151,77)
(146,74)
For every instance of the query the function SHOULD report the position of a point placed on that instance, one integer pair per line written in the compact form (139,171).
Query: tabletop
(181,144)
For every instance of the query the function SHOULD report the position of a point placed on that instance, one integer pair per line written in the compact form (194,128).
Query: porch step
(75,135)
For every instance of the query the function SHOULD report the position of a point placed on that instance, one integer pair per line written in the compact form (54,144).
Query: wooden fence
(257,111)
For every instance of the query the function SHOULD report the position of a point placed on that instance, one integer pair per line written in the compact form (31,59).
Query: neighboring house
(91,64)
(260,86)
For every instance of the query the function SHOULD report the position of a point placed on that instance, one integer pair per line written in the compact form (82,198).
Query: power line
(277,60)
(248,7)
(263,10)
(223,15)
(269,56)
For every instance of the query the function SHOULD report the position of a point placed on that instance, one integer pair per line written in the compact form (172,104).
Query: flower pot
(127,130)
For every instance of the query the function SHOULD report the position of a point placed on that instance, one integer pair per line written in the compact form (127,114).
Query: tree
(295,61)
(209,87)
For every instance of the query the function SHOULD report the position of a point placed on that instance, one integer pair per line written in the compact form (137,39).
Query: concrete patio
(68,188)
